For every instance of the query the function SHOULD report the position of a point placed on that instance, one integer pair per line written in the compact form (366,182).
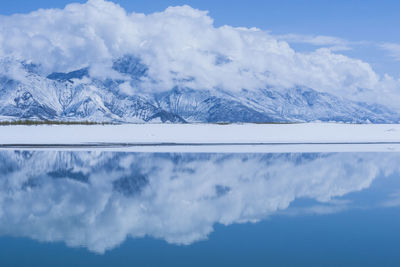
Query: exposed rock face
(78,96)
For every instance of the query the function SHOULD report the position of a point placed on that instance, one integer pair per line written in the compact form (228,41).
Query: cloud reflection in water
(98,199)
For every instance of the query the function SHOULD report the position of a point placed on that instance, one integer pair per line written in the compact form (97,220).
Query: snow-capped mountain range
(77,96)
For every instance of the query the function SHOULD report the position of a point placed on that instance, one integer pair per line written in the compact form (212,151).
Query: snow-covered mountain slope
(77,96)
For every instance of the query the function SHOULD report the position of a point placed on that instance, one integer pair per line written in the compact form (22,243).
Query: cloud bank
(98,199)
(181,46)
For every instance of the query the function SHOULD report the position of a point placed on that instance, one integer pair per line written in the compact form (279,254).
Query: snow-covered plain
(312,137)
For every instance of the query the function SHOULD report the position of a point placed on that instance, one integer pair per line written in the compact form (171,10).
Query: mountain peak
(56,97)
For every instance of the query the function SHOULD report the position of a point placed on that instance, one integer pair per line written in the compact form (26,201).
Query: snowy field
(313,137)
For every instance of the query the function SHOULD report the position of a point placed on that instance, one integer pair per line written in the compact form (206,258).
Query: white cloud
(180,46)
(331,42)
(393,49)
(126,88)
(184,197)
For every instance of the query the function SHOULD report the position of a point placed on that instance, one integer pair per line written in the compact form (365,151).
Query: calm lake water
(182,209)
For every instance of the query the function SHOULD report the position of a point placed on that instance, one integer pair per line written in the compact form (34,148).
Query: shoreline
(200,148)
(199,134)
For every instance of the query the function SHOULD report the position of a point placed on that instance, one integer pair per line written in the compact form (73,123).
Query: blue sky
(353,19)
(366,23)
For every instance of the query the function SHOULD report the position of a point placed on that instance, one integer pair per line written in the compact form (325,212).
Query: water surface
(61,208)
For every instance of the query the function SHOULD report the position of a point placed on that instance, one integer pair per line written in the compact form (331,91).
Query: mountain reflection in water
(98,199)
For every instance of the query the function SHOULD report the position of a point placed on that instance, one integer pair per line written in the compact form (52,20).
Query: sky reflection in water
(98,200)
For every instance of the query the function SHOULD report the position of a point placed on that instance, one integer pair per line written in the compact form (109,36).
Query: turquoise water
(172,209)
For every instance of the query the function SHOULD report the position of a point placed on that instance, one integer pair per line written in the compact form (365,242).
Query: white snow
(229,149)
(212,137)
